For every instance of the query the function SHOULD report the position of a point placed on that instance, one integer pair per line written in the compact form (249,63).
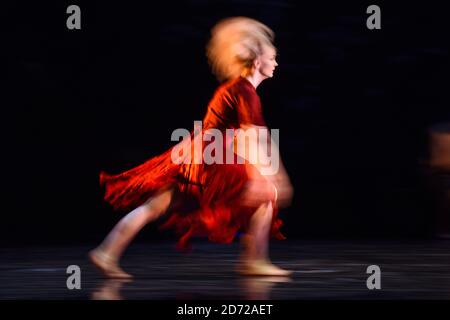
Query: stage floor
(323,270)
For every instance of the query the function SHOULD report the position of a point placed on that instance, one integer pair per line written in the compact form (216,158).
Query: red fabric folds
(217,191)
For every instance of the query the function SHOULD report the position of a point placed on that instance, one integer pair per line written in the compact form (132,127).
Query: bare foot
(262,268)
(107,265)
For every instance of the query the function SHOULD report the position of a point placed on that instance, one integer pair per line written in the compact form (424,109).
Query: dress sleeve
(249,109)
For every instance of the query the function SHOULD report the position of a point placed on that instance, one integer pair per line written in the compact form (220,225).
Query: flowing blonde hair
(235,43)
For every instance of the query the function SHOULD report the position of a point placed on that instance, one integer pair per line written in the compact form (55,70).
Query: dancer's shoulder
(237,86)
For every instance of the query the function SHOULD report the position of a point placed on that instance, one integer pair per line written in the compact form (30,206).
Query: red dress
(208,197)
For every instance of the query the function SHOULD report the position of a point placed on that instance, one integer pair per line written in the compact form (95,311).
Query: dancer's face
(266,63)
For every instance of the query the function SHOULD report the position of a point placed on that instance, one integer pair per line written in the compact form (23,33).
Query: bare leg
(255,258)
(107,255)
(256,246)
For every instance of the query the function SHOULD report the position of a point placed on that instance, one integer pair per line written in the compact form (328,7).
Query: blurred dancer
(219,199)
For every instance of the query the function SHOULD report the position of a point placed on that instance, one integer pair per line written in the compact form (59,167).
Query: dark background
(353,107)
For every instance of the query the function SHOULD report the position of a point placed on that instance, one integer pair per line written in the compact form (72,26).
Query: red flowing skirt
(208,200)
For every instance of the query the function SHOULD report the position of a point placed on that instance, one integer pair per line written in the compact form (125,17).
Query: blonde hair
(235,43)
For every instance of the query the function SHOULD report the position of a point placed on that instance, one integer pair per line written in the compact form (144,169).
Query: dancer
(216,200)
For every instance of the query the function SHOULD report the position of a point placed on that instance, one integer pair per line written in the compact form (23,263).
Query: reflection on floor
(322,270)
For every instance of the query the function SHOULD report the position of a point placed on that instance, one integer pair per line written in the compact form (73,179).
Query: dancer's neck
(255,79)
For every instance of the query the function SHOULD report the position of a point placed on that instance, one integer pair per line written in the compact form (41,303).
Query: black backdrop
(353,107)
